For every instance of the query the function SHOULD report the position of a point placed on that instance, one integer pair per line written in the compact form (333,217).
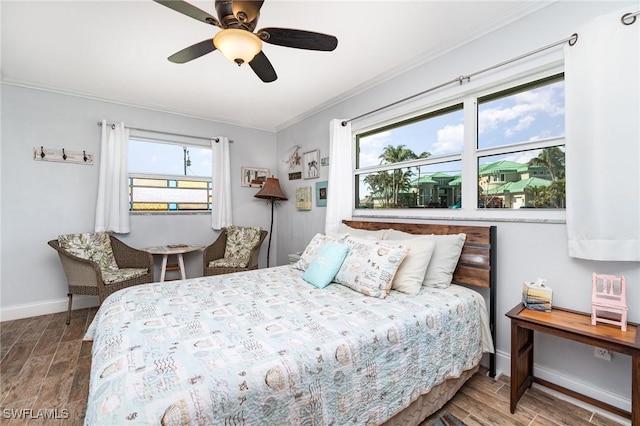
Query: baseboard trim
(503,362)
(27,310)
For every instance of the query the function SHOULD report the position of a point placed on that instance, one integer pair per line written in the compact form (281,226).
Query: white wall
(41,200)
(526,251)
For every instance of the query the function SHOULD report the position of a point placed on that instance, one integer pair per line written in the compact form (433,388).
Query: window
(429,181)
(512,123)
(167,176)
(517,155)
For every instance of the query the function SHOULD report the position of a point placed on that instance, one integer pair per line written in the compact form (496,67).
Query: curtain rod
(113,126)
(573,39)
(629,18)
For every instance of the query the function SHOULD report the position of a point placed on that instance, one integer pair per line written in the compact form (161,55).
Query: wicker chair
(217,249)
(85,276)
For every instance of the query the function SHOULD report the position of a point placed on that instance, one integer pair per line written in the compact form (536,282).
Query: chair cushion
(119,275)
(240,242)
(94,246)
(228,263)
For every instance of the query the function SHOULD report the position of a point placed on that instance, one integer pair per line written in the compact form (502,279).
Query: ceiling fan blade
(193,52)
(263,68)
(189,10)
(299,39)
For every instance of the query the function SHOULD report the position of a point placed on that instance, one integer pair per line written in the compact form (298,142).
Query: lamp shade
(271,190)
(236,45)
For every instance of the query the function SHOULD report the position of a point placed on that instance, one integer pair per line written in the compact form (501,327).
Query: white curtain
(221,212)
(112,206)
(340,182)
(602,94)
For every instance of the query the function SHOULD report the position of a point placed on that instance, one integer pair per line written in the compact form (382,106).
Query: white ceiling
(117,51)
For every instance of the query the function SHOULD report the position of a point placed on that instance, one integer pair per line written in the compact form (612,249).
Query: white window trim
(170,139)
(173,139)
(468,94)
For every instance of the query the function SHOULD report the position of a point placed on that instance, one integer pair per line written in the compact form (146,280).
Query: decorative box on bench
(537,295)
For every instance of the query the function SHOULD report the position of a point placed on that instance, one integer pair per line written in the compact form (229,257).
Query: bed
(265,347)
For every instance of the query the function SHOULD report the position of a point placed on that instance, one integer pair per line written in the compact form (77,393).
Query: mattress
(265,347)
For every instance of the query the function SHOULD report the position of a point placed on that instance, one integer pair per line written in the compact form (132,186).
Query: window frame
(469,95)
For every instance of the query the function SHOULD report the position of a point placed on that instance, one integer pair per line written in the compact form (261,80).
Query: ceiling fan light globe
(236,45)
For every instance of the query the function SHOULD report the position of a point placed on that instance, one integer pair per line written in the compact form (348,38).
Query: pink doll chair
(608,300)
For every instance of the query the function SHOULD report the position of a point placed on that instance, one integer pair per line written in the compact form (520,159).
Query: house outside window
(517,154)
(524,129)
(169,177)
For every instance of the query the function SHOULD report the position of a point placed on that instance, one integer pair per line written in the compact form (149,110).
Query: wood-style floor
(45,368)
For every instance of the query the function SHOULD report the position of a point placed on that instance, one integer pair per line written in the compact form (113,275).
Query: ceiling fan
(237,19)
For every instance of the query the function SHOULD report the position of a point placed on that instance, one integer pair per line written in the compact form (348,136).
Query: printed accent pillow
(311,251)
(240,241)
(326,265)
(444,259)
(94,246)
(370,266)
(413,269)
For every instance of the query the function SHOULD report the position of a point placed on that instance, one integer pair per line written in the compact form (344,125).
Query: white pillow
(413,268)
(444,259)
(360,233)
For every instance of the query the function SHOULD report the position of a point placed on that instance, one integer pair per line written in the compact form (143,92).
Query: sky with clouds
(527,116)
(164,158)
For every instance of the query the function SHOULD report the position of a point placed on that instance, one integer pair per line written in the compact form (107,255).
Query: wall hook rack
(62,156)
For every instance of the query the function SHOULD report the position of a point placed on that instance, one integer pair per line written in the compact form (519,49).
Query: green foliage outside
(390,187)
(552,196)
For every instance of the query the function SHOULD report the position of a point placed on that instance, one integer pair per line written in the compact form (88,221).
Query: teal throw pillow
(326,265)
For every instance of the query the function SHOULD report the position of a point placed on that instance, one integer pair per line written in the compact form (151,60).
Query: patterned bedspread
(264,347)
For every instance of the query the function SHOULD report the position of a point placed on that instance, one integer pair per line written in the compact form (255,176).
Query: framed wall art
(293,157)
(311,164)
(321,194)
(254,177)
(303,198)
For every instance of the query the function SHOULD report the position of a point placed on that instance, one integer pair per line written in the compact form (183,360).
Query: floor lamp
(271,192)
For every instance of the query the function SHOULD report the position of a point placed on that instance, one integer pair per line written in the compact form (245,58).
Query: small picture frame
(254,177)
(311,164)
(303,198)
(321,194)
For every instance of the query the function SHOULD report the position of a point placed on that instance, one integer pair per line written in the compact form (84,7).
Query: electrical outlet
(602,353)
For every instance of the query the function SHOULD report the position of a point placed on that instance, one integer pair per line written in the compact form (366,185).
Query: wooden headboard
(477,264)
